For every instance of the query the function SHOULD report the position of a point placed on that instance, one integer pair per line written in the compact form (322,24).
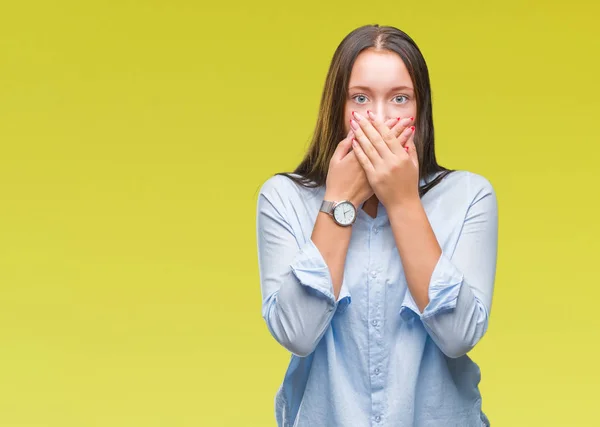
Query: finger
(344,146)
(401,124)
(411,149)
(373,134)
(397,130)
(390,123)
(386,134)
(362,158)
(365,143)
(403,139)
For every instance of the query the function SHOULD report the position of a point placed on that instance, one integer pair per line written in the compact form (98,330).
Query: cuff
(444,287)
(312,271)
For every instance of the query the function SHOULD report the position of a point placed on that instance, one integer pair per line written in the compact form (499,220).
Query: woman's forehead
(379,71)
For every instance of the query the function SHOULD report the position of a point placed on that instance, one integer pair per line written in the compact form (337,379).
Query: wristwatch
(343,212)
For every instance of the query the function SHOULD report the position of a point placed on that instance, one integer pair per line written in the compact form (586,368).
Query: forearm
(298,299)
(418,247)
(451,287)
(332,241)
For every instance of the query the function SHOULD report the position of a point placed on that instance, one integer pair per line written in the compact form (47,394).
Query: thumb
(344,146)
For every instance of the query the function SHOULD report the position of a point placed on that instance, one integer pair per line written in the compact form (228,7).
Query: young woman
(377,264)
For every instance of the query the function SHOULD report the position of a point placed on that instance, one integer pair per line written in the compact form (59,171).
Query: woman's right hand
(346,179)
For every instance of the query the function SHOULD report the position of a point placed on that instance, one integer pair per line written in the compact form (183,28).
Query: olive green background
(135,134)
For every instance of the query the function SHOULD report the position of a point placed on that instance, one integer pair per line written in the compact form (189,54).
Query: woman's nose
(382,114)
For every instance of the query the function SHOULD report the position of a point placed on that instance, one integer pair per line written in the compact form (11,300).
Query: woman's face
(379,82)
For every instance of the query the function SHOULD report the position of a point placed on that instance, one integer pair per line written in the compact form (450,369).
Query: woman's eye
(358,97)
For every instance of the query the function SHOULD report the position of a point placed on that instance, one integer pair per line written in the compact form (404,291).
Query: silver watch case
(330,207)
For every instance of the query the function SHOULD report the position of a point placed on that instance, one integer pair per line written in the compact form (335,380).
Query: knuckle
(386,134)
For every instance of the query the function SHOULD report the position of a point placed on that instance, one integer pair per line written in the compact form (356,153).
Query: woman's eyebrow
(368,89)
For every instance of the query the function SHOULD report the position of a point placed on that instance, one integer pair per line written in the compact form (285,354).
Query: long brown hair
(329,130)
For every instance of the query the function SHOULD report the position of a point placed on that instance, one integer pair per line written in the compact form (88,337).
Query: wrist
(338,197)
(407,204)
(335,196)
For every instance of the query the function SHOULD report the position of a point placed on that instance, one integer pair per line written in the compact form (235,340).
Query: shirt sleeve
(298,300)
(462,282)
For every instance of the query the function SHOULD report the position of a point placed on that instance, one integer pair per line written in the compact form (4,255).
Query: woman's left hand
(389,158)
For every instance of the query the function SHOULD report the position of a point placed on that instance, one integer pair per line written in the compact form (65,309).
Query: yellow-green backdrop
(133,138)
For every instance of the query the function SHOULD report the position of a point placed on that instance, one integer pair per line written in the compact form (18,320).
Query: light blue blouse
(371,358)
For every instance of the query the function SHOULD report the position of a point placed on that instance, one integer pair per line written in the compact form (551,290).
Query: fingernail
(354,124)
(412,119)
(406,148)
(412,128)
(371,114)
(399,118)
(357,116)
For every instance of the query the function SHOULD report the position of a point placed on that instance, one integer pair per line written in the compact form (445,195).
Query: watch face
(344,213)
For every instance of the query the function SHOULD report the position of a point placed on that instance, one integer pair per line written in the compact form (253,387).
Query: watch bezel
(342,202)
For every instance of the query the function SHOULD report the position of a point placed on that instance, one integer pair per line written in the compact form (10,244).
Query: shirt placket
(375,324)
